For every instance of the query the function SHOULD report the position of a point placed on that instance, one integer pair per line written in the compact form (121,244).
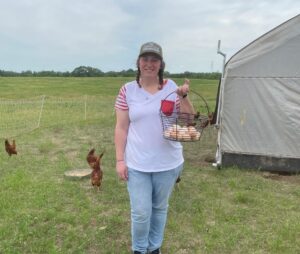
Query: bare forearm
(185,103)
(120,143)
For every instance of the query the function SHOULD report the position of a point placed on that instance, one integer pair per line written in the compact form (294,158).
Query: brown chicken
(97,173)
(91,158)
(208,121)
(10,148)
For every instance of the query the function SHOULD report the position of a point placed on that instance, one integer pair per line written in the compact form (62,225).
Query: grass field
(213,211)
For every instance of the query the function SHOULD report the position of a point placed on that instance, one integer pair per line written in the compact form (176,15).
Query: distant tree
(86,71)
(196,75)
(26,73)
(128,73)
(8,73)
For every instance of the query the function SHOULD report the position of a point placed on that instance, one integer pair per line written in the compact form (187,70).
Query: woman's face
(149,65)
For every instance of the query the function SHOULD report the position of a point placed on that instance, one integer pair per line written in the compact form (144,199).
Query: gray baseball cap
(151,47)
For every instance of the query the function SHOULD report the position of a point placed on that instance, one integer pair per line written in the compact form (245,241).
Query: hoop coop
(181,126)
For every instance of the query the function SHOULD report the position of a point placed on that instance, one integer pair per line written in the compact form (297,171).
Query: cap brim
(150,52)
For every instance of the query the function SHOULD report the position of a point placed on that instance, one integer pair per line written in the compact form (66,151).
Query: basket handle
(206,105)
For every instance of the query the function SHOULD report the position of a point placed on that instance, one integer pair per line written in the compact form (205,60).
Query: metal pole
(218,152)
(224,57)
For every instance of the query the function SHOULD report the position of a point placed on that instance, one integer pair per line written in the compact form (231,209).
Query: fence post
(85,102)
(42,106)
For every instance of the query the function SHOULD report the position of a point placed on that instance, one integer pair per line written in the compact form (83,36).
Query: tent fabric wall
(259,113)
(274,54)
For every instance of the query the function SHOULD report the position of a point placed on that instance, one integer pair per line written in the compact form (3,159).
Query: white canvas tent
(258,107)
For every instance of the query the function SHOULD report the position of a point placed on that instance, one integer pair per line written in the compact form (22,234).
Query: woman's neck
(151,85)
(149,82)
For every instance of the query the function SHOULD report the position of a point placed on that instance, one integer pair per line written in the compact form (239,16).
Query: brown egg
(186,137)
(197,136)
(170,129)
(181,132)
(176,127)
(184,128)
(173,134)
(180,136)
(167,133)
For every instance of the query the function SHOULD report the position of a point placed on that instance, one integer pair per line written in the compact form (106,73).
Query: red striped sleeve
(121,102)
(177,103)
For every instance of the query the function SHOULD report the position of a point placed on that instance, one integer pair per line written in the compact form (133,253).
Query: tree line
(87,71)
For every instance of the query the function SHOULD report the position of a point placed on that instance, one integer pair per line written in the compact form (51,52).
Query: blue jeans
(149,195)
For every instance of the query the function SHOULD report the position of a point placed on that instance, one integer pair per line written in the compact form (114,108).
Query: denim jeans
(149,195)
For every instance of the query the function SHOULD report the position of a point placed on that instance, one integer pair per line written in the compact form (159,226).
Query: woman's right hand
(122,170)
(184,89)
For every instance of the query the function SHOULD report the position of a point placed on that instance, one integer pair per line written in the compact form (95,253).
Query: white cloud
(62,34)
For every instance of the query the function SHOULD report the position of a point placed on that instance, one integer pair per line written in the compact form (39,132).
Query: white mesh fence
(19,116)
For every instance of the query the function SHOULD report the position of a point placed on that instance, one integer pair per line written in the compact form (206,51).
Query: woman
(149,163)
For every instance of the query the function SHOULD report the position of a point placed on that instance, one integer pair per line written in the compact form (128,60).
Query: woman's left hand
(184,89)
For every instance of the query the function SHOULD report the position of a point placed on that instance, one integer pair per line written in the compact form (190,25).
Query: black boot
(157,251)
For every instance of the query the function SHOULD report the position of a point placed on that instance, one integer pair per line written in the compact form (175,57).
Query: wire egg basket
(184,127)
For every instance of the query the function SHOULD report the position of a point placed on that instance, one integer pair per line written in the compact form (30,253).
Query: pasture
(213,211)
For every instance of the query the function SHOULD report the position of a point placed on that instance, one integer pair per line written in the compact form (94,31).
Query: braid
(161,78)
(138,77)
(161,75)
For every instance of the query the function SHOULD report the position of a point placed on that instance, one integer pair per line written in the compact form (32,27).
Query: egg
(170,129)
(176,127)
(167,133)
(197,136)
(181,132)
(192,131)
(184,128)
(173,134)
(179,136)
(186,137)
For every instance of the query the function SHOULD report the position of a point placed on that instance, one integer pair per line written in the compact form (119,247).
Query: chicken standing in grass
(97,173)
(209,120)
(10,148)
(91,158)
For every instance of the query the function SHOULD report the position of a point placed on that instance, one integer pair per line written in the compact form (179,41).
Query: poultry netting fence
(49,125)
(19,116)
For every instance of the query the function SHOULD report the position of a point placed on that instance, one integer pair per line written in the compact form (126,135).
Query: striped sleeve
(177,103)
(121,102)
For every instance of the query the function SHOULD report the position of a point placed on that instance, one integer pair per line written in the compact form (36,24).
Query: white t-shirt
(146,148)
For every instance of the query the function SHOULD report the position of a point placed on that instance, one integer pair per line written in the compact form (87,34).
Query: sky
(61,35)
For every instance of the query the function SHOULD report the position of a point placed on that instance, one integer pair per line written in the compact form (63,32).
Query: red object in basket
(167,107)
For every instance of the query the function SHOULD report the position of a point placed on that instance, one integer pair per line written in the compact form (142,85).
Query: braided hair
(160,74)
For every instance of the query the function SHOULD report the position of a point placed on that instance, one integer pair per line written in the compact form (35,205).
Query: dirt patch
(291,178)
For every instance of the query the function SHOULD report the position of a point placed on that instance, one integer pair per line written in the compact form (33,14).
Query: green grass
(212,211)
